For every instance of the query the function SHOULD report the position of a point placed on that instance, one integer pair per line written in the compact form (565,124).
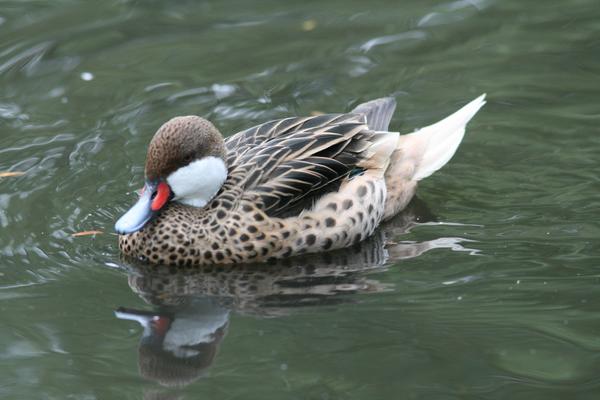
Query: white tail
(433,146)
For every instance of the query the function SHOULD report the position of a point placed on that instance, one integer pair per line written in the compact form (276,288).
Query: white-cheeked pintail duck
(286,187)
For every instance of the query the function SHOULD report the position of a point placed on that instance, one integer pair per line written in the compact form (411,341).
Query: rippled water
(487,287)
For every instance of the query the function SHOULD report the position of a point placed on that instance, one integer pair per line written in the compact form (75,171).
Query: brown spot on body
(361,191)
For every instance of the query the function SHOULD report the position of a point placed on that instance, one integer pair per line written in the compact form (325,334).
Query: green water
(487,288)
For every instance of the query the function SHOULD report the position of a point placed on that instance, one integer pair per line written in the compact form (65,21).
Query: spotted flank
(287,187)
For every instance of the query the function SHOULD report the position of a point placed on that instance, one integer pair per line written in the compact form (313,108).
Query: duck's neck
(199,181)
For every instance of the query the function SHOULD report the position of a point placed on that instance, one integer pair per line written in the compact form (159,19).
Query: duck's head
(185,163)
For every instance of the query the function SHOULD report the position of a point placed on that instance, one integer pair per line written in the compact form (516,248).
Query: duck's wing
(239,144)
(282,164)
(377,114)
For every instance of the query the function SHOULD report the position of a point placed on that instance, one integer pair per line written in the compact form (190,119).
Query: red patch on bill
(162,196)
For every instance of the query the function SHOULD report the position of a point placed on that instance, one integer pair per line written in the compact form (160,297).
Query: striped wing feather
(282,164)
(239,144)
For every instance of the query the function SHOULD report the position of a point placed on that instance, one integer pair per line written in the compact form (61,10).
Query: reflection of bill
(178,346)
(180,342)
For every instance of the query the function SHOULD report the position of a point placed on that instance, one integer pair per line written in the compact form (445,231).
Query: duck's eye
(188,158)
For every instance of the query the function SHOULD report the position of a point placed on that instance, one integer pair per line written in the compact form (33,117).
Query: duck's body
(286,187)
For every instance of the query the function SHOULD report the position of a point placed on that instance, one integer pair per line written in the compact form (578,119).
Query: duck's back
(285,166)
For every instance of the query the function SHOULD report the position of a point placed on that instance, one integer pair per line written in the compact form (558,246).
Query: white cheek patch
(198,182)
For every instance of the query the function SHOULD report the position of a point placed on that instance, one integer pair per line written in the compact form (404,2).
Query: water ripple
(26,59)
(404,38)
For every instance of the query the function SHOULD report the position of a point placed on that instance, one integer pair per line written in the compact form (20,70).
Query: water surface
(487,287)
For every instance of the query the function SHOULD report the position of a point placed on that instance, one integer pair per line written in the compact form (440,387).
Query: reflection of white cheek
(185,332)
(198,182)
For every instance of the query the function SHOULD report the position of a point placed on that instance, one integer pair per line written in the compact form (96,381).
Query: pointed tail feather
(378,112)
(433,146)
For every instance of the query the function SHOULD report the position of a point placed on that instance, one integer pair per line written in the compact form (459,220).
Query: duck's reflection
(179,343)
(181,337)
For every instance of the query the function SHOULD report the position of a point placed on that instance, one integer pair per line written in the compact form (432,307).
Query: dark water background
(488,288)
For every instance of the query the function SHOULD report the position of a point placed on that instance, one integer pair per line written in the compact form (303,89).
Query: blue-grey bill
(137,216)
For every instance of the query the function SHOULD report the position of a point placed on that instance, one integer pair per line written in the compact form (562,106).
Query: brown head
(185,162)
(180,141)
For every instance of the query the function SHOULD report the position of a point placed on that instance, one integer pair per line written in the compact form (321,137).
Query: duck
(283,188)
